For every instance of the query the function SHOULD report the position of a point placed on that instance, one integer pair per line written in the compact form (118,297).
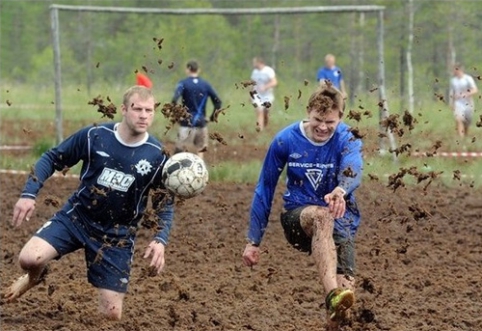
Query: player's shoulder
(287,132)
(154,142)
(345,134)
(98,128)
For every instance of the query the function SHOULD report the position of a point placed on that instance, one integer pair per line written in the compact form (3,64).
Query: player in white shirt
(262,93)
(462,90)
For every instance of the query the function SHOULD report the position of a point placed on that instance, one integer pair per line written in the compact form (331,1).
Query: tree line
(108,48)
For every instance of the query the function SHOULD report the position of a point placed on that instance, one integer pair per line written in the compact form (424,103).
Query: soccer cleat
(337,302)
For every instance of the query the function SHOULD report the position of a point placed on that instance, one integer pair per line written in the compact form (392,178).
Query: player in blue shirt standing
(121,164)
(330,72)
(195,93)
(323,162)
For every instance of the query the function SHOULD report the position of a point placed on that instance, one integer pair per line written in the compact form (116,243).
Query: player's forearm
(166,216)
(260,209)
(43,169)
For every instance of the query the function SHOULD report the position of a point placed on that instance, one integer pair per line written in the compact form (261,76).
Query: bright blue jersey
(195,93)
(313,170)
(115,180)
(334,75)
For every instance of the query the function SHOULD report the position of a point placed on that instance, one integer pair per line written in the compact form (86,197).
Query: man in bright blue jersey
(121,164)
(195,93)
(323,162)
(330,72)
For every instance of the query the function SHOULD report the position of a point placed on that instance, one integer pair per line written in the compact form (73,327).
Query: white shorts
(192,137)
(464,112)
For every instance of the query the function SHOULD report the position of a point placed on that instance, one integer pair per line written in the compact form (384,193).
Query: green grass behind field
(434,123)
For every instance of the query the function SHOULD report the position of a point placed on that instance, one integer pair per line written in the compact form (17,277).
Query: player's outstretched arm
(23,210)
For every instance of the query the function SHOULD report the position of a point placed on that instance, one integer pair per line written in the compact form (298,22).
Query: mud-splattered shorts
(108,264)
(296,236)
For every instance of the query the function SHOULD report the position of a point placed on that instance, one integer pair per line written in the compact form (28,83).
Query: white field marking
(24,173)
(448,154)
(14,148)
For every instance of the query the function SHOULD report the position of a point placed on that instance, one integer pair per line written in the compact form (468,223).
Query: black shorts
(296,236)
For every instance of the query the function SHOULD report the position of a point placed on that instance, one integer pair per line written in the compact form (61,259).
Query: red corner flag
(143,80)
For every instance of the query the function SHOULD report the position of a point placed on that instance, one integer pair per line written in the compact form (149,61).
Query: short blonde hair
(326,99)
(143,92)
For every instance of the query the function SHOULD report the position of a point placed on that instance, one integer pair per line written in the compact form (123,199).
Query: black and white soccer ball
(185,175)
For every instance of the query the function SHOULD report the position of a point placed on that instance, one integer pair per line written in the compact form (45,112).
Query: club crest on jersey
(115,180)
(143,167)
(314,177)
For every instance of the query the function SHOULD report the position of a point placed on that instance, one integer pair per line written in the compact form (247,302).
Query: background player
(194,92)
(462,90)
(265,80)
(324,167)
(330,72)
(121,163)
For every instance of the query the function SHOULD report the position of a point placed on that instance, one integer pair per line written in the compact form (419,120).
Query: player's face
(138,114)
(320,127)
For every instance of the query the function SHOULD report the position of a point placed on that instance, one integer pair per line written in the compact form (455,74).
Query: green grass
(434,122)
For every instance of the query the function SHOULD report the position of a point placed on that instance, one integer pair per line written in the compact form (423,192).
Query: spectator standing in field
(320,216)
(462,90)
(330,72)
(262,94)
(121,164)
(195,92)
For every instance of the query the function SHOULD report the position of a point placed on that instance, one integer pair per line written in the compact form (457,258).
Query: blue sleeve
(214,98)
(273,165)
(320,75)
(351,165)
(178,92)
(65,155)
(165,215)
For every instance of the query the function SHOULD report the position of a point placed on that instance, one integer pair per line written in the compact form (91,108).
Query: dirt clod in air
(373,177)
(247,83)
(357,133)
(286,100)
(457,175)
(216,136)
(51,200)
(158,42)
(108,110)
(354,115)
(174,113)
(405,148)
(408,120)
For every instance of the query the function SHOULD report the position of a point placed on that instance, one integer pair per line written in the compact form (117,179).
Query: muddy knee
(30,261)
(316,217)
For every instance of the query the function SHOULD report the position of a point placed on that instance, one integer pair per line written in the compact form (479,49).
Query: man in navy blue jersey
(121,164)
(323,162)
(195,93)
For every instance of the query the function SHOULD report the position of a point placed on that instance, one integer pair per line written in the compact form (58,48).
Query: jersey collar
(119,139)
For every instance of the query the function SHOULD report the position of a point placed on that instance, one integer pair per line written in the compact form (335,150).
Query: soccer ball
(185,175)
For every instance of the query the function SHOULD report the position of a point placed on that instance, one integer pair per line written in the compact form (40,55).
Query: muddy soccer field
(419,256)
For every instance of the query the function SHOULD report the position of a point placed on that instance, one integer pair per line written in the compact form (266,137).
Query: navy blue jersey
(195,93)
(313,170)
(115,180)
(334,75)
